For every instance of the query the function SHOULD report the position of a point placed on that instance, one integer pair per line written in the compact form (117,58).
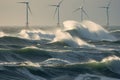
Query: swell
(116,33)
(9,42)
(27,54)
(49,72)
(103,65)
(67,53)
(13,40)
(83,68)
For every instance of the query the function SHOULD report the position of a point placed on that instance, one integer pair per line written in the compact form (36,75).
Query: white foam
(31,47)
(113,63)
(25,63)
(55,62)
(114,31)
(29,63)
(2,34)
(88,30)
(68,39)
(23,34)
(110,58)
(35,35)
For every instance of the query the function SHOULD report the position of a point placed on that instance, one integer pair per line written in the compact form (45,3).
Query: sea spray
(101,33)
(65,37)
(35,35)
(87,30)
(23,34)
(2,34)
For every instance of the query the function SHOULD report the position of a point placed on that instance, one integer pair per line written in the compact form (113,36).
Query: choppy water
(79,51)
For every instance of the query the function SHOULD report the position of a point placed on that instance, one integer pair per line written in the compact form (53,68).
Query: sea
(73,51)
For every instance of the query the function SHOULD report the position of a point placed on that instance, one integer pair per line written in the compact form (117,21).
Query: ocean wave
(13,40)
(93,77)
(54,62)
(83,68)
(115,31)
(24,55)
(103,70)
(88,30)
(42,52)
(15,73)
(35,34)
(70,40)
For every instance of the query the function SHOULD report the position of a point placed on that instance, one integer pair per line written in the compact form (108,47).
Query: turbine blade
(55,11)
(85,13)
(22,2)
(29,9)
(53,5)
(102,7)
(60,2)
(109,3)
(76,9)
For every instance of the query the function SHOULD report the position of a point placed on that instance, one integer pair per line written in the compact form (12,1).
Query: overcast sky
(12,13)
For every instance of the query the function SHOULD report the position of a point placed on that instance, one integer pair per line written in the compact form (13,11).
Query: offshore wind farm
(74,45)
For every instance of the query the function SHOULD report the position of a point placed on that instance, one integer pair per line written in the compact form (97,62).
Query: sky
(12,13)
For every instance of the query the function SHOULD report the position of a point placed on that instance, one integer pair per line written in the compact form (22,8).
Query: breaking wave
(88,30)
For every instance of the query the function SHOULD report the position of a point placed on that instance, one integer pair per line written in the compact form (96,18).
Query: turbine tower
(27,12)
(57,10)
(107,11)
(82,10)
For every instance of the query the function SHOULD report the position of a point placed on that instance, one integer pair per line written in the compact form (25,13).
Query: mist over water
(88,30)
(77,51)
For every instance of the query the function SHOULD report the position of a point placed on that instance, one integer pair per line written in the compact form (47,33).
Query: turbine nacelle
(81,7)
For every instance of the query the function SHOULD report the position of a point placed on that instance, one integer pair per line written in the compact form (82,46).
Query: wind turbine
(57,10)
(107,11)
(82,10)
(27,12)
